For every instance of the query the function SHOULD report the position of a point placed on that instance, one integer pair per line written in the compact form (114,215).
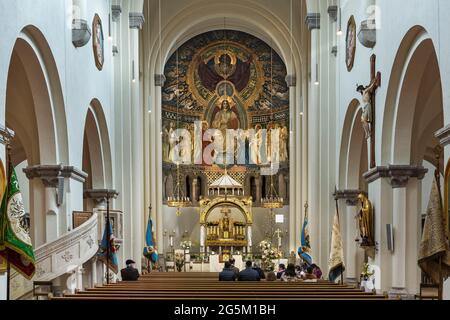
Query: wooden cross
(375,83)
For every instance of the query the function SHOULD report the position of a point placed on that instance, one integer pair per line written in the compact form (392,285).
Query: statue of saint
(284,136)
(255,145)
(365,222)
(225,223)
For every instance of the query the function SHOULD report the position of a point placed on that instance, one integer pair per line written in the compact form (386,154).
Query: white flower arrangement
(268,255)
(186,245)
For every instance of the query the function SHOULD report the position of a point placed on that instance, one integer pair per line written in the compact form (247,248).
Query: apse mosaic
(228,80)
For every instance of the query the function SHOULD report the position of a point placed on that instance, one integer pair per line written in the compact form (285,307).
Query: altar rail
(60,257)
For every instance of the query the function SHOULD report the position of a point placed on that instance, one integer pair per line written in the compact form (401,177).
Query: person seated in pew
(309,275)
(227,273)
(316,270)
(290,275)
(130,273)
(271,276)
(281,270)
(258,269)
(249,274)
(233,267)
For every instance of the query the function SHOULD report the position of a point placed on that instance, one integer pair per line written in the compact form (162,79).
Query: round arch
(208,205)
(414,87)
(247,16)
(96,148)
(34,89)
(353,153)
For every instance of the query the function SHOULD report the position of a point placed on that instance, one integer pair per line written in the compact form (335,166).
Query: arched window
(188,187)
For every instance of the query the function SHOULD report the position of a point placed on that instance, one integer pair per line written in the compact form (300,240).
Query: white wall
(3,281)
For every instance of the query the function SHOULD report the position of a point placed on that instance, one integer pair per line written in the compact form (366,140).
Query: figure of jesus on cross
(368,107)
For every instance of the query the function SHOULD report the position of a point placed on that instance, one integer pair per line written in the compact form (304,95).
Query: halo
(223,98)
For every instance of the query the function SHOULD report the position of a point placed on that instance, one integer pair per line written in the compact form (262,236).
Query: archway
(35,111)
(353,164)
(413,113)
(96,151)
(193,19)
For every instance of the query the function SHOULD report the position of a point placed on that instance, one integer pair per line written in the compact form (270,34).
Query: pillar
(52,230)
(249,239)
(399,224)
(194,191)
(94,272)
(313,113)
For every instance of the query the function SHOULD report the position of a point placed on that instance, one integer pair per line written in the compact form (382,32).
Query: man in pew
(130,273)
(227,274)
(249,274)
(233,267)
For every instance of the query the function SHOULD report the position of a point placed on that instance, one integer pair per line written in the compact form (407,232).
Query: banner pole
(108,236)
(8,179)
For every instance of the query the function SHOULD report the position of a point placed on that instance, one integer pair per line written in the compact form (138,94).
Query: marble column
(399,254)
(249,239)
(405,213)
(294,163)
(202,238)
(351,233)
(194,191)
(159,83)
(94,272)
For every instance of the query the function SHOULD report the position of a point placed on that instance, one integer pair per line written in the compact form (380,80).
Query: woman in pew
(290,275)
(309,275)
(271,276)
(258,269)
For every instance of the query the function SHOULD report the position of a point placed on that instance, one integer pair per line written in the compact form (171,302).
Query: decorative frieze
(137,20)
(313,21)
(160,79)
(350,196)
(398,175)
(100,195)
(116,10)
(332,12)
(51,174)
(443,135)
(291,80)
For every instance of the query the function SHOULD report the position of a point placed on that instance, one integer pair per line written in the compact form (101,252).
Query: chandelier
(272,200)
(178,199)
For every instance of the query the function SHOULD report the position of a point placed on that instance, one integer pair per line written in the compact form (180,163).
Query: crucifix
(278,232)
(368,107)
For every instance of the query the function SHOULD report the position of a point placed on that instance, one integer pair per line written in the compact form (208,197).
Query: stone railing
(60,257)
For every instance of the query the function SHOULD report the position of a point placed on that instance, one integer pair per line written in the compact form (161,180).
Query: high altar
(225,219)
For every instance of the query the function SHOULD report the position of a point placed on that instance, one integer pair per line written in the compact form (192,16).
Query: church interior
(180,136)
